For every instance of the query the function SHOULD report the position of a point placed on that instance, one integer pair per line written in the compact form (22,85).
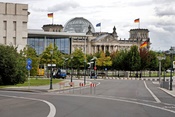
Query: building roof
(78,25)
(41,33)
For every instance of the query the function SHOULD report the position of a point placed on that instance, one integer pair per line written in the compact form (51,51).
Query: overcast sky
(158,16)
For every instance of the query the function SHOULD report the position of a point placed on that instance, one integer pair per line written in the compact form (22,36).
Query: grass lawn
(35,82)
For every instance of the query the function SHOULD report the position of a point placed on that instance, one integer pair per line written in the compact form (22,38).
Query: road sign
(95,68)
(29,61)
(29,67)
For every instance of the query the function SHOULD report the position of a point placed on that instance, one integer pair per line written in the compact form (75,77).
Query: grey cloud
(165,11)
(140,3)
(57,7)
(63,7)
(163,1)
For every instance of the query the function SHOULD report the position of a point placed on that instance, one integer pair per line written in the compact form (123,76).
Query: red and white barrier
(81,84)
(92,85)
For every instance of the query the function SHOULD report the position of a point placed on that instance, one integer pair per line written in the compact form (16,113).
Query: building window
(14,25)
(14,40)
(5,25)
(24,25)
(5,40)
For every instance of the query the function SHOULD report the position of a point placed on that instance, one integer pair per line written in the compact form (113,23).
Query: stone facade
(13,24)
(53,28)
(96,42)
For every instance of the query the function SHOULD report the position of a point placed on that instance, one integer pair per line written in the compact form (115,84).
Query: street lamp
(171,75)
(71,68)
(85,71)
(160,58)
(51,52)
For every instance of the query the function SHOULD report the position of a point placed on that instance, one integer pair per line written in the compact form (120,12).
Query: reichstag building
(76,33)
(80,33)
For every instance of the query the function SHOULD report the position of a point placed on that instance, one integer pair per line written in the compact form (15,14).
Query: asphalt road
(110,98)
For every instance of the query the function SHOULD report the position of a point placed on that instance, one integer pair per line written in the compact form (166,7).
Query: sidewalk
(172,92)
(46,88)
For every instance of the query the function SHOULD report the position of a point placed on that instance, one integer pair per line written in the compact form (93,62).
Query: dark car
(93,75)
(101,74)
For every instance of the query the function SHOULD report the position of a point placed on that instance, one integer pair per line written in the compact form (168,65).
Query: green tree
(12,66)
(152,61)
(45,57)
(134,59)
(120,60)
(29,52)
(78,59)
(104,61)
(144,59)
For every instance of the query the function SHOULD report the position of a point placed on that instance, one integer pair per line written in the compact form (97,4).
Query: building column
(104,48)
(95,49)
(109,48)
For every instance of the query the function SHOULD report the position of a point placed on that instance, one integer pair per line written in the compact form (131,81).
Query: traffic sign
(95,68)
(29,61)
(29,67)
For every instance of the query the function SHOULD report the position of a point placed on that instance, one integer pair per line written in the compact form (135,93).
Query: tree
(30,52)
(134,59)
(104,61)
(144,59)
(45,57)
(78,59)
(12,66)
(152,60)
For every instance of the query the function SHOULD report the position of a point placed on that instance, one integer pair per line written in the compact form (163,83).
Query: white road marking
(52,107)
(154,96)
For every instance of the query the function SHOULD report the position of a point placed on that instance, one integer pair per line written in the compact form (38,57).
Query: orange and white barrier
(92,85)
(81,84)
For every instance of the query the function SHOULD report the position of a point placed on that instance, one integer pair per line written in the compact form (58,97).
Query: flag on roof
(137,20)
(98,25)
(50,15)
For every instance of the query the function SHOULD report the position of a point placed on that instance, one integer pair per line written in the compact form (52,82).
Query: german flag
(144,44)
(50,15)
(137,20)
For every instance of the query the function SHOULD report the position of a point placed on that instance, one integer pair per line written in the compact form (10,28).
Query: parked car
(169,70)
(101,74)
(60,73)
(93,75)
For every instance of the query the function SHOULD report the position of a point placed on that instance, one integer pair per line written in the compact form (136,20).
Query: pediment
(108,39)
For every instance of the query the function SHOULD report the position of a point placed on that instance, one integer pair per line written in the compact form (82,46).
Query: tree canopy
(12,66)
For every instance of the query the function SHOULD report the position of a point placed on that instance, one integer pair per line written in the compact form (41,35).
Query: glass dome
(78,25)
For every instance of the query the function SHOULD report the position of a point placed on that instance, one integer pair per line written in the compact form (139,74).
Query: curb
(168,92)
(40,90)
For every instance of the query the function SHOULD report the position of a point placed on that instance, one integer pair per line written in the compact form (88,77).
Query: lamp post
(71,69)
(160,58)
(171,75)
(51,52)
(85,71)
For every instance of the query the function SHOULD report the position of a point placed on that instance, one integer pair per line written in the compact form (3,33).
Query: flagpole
(139,23)
(52,19)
